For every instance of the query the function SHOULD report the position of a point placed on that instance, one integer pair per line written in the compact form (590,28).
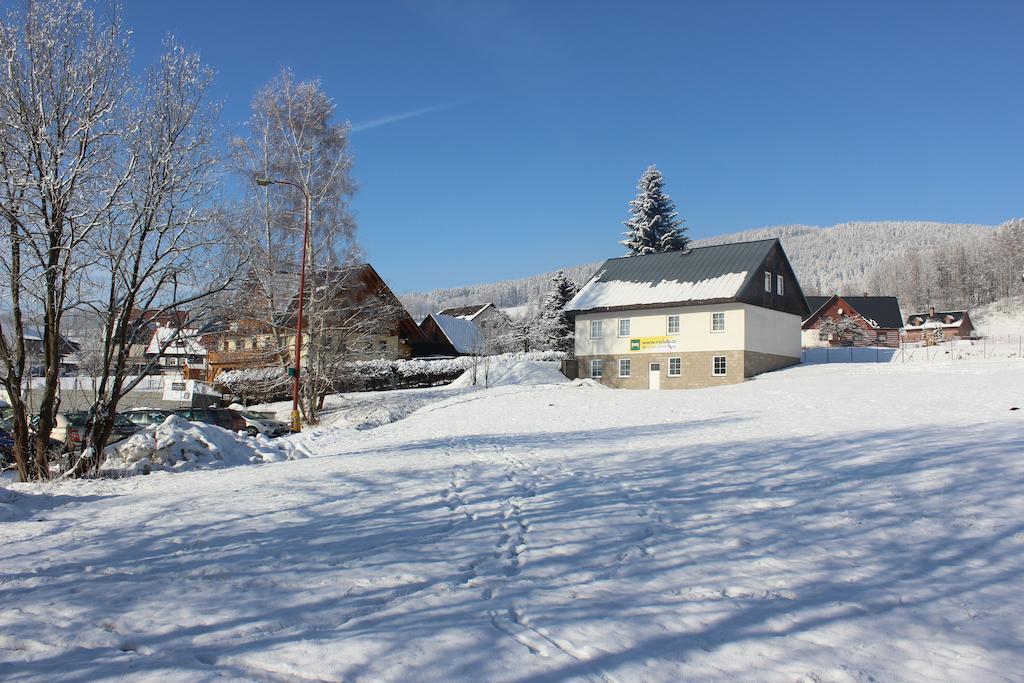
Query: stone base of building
(697,368)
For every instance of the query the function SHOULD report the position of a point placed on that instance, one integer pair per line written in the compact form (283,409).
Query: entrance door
(654,376)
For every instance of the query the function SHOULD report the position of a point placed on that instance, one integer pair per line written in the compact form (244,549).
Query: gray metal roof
(712,264)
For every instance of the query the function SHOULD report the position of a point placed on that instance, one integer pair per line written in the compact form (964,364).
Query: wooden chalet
(877,317)
(250,342)
(938,326)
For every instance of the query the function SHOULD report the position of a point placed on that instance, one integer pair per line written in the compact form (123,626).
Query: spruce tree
(653,227)
(557,326)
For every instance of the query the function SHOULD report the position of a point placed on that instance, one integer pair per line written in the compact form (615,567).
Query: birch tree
(294,137)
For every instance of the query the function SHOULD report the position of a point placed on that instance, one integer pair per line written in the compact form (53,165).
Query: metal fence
(984,348)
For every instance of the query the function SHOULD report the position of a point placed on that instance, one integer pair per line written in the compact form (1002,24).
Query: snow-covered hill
(811,525)
(1000,318)
(825,259)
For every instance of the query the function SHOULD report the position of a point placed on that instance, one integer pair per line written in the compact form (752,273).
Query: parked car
(222,417)
(147,416)
(56,450)
(258,423)
(69,428)
(6,445)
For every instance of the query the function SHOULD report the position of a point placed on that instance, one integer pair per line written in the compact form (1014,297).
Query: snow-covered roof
(171,341)
(941,319)
(463,334)
(466,312)
(598,294)
(713,273)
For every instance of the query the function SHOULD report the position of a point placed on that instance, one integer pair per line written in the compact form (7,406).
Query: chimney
(931,312)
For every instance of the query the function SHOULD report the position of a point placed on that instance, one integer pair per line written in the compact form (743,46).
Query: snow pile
(501,371)
(179,445)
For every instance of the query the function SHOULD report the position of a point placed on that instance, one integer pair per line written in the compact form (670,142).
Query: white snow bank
(501,371)
(179,445)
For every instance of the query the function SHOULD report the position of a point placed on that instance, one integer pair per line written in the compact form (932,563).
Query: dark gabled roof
(703,274)
(884,311)
(816,302)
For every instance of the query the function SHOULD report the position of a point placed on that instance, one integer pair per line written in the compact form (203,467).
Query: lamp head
(263,182)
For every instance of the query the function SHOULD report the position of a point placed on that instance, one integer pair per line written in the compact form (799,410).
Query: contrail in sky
(385,120)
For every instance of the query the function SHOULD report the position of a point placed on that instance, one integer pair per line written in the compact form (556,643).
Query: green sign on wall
(634,344)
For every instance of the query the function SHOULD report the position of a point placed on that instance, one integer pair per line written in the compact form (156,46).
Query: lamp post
(264,182)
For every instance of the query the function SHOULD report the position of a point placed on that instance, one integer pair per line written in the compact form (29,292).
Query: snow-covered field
(823,523)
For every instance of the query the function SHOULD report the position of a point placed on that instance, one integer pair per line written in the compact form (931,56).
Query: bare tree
(167,249)
(62,73)
(351,318)
(844,328)
(293,137)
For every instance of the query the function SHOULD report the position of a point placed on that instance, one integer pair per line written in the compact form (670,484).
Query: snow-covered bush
(178,444)
(265,385)
(418,372)
(255,385)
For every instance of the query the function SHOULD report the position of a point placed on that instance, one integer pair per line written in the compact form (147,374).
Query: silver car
(258,423)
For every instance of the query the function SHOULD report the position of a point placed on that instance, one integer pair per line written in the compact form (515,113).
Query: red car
(222,417)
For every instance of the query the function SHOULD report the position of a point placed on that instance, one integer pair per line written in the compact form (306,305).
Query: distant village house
(938,326)
(852,321)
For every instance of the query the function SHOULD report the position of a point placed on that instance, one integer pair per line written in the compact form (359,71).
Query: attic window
(767,281)
(778,285)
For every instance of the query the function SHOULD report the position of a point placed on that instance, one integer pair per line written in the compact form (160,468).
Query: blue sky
(502,139)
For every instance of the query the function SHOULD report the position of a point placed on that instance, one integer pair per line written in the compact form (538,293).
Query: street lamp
(264,182)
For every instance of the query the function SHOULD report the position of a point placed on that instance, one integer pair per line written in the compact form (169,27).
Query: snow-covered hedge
(255,385)
(178,444)
(265,385)
(417,372)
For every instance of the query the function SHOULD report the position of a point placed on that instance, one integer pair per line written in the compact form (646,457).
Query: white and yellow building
(686,319)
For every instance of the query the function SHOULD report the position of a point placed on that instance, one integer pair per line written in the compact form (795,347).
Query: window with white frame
(623,327)
(597,368)
(718,366)
(675,367)
(596,330)
(767,281)
(624,367)
(673,324)
(718,322)
(778,285)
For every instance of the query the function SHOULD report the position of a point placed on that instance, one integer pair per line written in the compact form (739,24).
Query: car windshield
(77,419)
(249,415)
(123,421)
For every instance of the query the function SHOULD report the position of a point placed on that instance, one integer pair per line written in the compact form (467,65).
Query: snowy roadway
(829,523)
